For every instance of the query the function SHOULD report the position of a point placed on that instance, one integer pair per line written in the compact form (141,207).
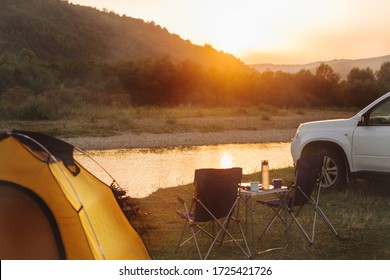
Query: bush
(21,104)
(35,108)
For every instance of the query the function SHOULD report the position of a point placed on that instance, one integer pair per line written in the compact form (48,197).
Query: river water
(142,171)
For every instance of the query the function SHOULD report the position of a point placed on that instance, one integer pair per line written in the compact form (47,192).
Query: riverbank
(168,128)
(182,126)
(181,139)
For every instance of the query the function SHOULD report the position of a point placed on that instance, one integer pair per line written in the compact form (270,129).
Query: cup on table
(277,183)
(254,186)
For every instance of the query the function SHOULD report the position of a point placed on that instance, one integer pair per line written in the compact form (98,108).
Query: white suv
(352,146)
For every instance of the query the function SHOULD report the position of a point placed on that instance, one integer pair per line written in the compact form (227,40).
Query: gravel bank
(185,139)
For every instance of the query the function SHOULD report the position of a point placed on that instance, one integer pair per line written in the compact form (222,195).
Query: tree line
(25,79)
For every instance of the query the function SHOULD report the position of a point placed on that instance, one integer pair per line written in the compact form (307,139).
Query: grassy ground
(109,120)
(359,213)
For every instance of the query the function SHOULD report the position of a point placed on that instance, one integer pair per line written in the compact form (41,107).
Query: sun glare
(226,161)
(237,27)
(281,31)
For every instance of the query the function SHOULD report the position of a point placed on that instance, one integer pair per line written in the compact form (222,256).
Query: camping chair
(308,175)
(213,207)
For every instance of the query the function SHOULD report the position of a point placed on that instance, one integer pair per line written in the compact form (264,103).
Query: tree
(8,64)
(189,83)
(24,70)
(31,72)
(357,74)
(383,76)
(326,73)
(361,87)
(326,85)
(305,83)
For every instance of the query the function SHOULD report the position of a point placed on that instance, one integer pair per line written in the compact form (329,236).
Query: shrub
(19,103)
(35,108)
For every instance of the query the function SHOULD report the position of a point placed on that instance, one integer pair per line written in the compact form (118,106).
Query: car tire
(334,167)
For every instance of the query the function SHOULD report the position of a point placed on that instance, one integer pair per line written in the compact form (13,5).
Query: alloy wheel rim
(330,172)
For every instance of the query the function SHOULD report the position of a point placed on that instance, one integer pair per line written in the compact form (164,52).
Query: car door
(371,140)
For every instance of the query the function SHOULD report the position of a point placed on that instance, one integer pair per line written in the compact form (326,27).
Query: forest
(56,57)
(31,88)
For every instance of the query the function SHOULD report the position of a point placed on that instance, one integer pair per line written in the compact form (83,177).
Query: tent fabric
(90,224)
(43,239)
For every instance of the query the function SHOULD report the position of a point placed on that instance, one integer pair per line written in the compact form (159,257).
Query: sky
(270,31)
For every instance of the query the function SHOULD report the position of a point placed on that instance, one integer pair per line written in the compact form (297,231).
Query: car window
(381,114)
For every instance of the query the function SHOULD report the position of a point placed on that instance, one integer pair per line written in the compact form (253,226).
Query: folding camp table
(248,196)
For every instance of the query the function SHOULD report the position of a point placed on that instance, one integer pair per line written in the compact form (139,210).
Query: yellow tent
(53,208)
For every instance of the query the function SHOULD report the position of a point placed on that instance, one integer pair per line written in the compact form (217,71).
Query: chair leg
(196,242)
(268,226)
(326,220)
(301,228)
(179,244)
(224,233)
(223,230)
(194,233)
(277,214)
(318,210)
(314,203)
(249,255)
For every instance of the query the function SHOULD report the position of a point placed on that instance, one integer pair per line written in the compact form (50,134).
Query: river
(142,171)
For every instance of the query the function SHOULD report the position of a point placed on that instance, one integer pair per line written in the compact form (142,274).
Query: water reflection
(226,161)
(143,171)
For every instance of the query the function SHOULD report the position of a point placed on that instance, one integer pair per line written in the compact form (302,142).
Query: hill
(57,30)
(341,66)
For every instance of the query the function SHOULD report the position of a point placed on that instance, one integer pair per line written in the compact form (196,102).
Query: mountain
(341,66)
(57,30)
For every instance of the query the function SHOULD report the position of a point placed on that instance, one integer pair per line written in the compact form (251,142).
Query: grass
(359,213)
(95,120)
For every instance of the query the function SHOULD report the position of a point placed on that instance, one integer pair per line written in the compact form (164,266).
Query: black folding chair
(212,208)
(308,176)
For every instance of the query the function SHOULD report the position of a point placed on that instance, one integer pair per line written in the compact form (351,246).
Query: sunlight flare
(226,161)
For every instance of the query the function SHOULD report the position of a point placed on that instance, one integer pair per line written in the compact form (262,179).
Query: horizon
(320,61)
(277,32)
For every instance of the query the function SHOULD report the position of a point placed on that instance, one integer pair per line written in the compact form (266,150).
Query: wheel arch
(315,145)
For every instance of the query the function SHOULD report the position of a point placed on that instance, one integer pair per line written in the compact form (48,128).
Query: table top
(261,190)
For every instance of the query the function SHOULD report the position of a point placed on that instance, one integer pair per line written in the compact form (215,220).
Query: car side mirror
(362,120)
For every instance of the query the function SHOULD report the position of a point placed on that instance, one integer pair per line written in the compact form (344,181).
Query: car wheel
(334,168)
